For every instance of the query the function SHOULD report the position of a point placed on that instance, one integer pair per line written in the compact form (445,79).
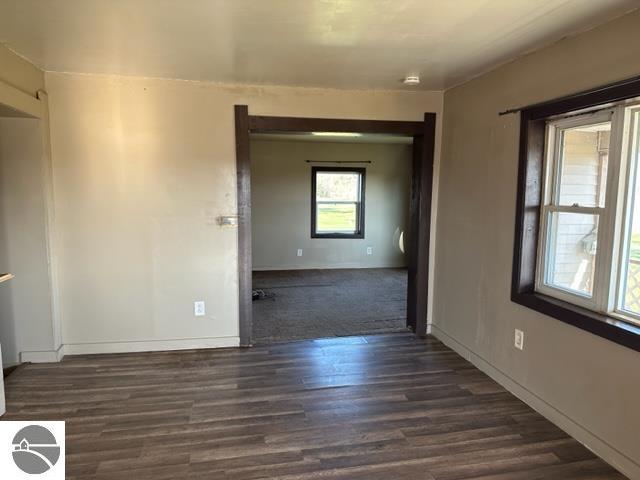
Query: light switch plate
(299,252)
(198,309)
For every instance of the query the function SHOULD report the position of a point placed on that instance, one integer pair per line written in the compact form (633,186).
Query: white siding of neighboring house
(583,176)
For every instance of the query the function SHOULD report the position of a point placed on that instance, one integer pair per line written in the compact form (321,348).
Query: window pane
(631,257)
(337,187)
(571,251)
(584,155)
(336,218)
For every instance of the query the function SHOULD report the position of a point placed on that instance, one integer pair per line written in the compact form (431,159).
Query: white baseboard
(346,266)
(45,356)
(600,447)
(150,345)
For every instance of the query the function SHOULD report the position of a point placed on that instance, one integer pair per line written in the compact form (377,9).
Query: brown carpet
(304,304)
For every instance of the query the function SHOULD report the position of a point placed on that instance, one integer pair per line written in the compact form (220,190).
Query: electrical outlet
(369,250)
(198,309)
(519,339)
(299,252)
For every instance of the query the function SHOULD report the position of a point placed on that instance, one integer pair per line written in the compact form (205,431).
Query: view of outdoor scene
(584,157)
(572,236)
(337,198)
(632,281)
(631,299)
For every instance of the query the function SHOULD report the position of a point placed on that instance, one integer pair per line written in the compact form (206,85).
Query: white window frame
(614,219)
(631,175)
(551,204)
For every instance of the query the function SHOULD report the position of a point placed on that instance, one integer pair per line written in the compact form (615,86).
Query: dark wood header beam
(261,124)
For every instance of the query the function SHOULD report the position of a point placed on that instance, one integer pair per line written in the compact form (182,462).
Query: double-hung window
(337,202)
(589,234)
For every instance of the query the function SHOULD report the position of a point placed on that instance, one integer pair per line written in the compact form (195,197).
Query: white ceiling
(326,43)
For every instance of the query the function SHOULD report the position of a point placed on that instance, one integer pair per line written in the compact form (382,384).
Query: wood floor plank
(377,407)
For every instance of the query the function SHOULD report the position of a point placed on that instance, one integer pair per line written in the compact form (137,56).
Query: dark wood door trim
(423,134)
(424,150)
(263,124)
(243,169)
(412,228)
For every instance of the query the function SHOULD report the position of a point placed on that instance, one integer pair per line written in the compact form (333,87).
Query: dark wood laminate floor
(376,408)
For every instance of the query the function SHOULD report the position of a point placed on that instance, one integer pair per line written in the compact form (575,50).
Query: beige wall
(588,385)
(281,205)
(19,73)
(25,303)
(142,168)
(29,330)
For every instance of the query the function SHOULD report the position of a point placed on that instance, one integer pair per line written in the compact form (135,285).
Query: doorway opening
(345,184)
(330,214)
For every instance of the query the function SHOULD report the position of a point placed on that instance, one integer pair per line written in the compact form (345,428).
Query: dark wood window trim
(528,203)
(359,234)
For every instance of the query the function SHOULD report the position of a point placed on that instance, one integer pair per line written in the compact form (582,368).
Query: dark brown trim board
(613,92)
(528,202)
(262,124)
(423,134)
(360,221)
(420,240)
(414,222)
(243,169)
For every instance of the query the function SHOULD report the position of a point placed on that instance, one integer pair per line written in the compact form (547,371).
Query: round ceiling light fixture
(411,80)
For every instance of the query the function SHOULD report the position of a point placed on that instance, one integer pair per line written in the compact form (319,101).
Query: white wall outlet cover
(299,252)
(519,339)
(198,309)
(369,250)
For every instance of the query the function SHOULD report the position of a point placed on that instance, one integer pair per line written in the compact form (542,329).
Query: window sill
(618,331)
(337,235)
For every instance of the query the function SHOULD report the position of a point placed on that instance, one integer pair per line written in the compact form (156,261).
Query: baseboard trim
(6,371)
(44,356)
(600,447)
(346,266)
(150,345)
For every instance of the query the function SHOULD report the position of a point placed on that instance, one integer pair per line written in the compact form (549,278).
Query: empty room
(330,212)
(320,239)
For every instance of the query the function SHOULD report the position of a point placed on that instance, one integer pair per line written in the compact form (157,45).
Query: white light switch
(519,339)
(299,252)
(198,309)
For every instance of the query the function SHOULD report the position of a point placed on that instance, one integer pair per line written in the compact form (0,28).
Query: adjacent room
(330,213)
(320,239)
(25,307)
